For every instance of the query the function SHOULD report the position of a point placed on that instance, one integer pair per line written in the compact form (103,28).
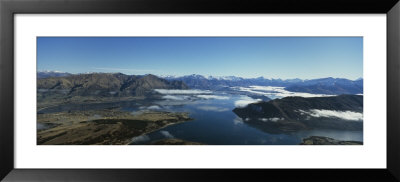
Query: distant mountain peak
(48,73)
(230,78)
(51,71)
(195,76)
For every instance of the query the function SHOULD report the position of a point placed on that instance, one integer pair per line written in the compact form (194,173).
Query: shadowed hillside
(298,113)
(105,84)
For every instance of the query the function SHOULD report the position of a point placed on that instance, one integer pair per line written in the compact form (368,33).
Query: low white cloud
(213,108)
(176,97)
(141,138)
(271,119)
(181,95)
(250,90)
(245,100)
(345,115)
(155,107)
(237,121)
(218,97)
(181,92)
(167,134)
(277,92)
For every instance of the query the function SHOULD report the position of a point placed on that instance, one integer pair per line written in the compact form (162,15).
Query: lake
(215,124)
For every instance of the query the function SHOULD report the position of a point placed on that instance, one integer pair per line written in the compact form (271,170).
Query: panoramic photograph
(199,91)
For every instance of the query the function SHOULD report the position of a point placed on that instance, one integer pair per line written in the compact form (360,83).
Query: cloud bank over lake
(182,92)
(213,97)
(176,97)
(245,100)
(345,115)
(194,94)
(276,92)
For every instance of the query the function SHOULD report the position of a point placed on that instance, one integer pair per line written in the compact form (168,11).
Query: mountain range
(330,86)
(317,86)
(105,84)
(46,74)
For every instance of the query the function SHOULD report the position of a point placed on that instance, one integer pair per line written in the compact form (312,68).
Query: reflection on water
(214,122)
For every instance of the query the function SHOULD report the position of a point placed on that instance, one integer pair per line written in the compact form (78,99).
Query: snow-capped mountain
(47,73)
(327,85)
(229,78)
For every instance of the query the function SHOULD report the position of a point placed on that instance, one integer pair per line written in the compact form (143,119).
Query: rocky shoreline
(320,140)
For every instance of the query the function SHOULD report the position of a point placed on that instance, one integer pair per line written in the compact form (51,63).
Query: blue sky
(271,57)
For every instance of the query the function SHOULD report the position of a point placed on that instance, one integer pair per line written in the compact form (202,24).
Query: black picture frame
(8,8)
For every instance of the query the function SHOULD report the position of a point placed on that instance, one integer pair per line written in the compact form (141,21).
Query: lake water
(214,122)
